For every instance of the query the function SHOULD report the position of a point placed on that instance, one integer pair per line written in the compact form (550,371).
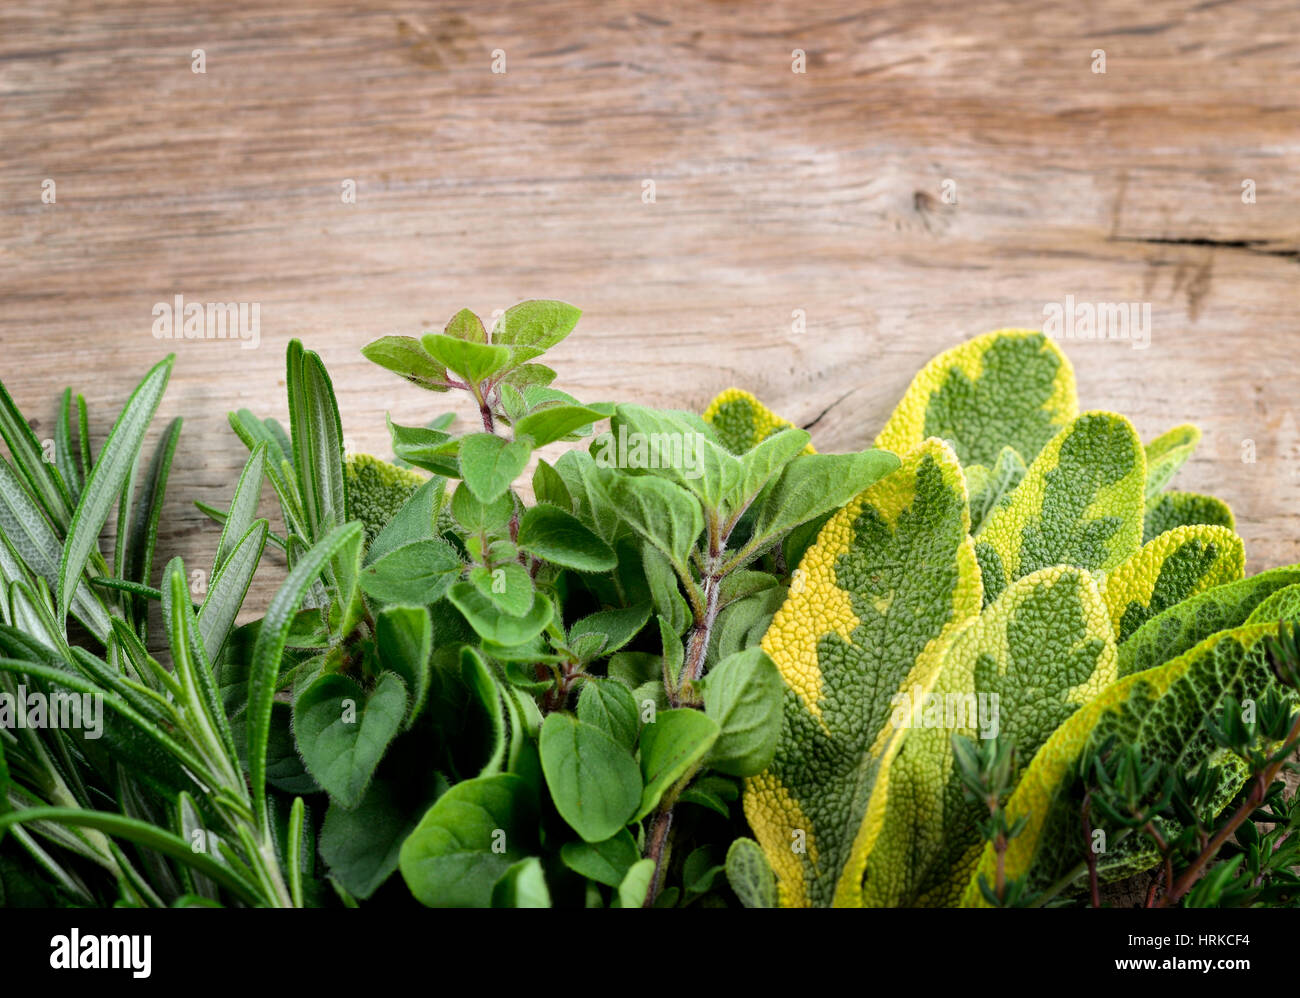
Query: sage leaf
(1166,454)
(1008,388)
(1181,509)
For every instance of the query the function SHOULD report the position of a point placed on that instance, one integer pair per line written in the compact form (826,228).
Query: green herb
(481,686)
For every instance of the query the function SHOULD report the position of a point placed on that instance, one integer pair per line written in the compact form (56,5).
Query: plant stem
(1156,881)
(656,847)
(697,647)
(1000,880)
(1263,780)
(484,405)
(1167,870)
(1089,856)
(558,695)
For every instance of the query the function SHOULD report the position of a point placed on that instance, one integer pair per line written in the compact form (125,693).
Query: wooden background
(775,192)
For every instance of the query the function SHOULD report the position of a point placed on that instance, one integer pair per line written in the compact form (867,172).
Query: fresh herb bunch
(468,696)
(514,703)
(1023,577)
(121,781)
(631,584)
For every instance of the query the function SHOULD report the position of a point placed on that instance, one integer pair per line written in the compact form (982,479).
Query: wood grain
(775,192)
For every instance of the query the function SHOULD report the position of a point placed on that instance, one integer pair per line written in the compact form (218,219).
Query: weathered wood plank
(775,191)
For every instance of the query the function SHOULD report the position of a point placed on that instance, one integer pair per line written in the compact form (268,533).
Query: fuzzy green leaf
(404,639)
(554,535)
(750,875)
(474,362)
(406,356)
(493,624)
(592,778)
(743,694)
(664,514)
(609,705)
(490,465)
(418,573)
(536,323)
(522,886)
(618,627)
(673,746)
(468,839)
(342,733)
(559,421)
(604,862)
(814,484)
